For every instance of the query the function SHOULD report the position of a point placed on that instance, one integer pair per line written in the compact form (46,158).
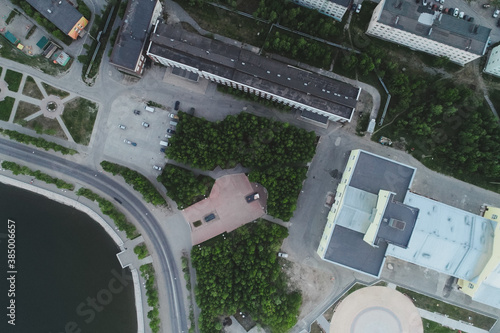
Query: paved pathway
(451,323)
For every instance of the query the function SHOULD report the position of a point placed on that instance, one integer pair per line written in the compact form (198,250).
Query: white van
(164,143)
(148,108)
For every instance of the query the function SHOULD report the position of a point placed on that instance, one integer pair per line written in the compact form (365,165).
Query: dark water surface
(68,279)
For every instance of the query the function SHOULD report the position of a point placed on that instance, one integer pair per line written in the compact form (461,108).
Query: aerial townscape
(197,166)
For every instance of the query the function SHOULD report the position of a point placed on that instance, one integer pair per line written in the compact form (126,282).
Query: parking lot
(147,152)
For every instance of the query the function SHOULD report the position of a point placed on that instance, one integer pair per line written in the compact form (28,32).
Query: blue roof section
(11,38)
(133,33)
(42,42)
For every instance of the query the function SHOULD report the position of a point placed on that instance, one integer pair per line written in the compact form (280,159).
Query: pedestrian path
(451,323)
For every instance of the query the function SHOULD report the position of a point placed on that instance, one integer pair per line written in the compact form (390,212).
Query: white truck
(164,143)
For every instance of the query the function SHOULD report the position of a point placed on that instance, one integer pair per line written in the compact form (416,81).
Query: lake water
(67,278)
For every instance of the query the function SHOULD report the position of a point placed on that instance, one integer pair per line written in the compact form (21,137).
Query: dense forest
(275,152)
(240,271)
(446,123)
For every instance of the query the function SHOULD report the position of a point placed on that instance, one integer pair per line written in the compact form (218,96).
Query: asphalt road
(131,203)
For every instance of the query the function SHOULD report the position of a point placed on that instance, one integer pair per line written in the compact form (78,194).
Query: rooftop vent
(397,224)
(430,31)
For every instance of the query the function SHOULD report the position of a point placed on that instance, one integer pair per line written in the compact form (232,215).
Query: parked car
(353,8)
(137,112)
(451,11)
(174,116)
(496,13)
(498,23)
(145,124)
(461,15)
(434,7)
(170,131)
(486,6)
(282,254)
(177,104)
(471,19)
(455,13)
(424,2)
(210,217)
(130,142)
(168,136)
(162,149)
(446,10)
(466,17)
(122,127)
(156,167)
(441,2)
(441,8)
(358,9)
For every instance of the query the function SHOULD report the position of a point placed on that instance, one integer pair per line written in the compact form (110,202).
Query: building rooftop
(373,173)
(410,16)
(259,72)
(133,33)
(447,239)
(344,3)
(397,223)
(347,248)
(357,209)
(61,13)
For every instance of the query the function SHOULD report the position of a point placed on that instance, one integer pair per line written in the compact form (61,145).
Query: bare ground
(315,285)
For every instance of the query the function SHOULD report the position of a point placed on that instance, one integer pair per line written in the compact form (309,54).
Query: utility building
(493,64)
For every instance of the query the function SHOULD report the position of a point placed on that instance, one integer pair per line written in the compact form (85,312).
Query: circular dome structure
(376,310)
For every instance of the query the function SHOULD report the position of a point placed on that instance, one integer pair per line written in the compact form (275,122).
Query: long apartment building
(241,69)
(128,52)
(332,8)
(493,64)
(63,15)
(418,27)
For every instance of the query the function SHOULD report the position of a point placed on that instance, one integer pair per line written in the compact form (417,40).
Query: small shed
(62,59)
(11,38)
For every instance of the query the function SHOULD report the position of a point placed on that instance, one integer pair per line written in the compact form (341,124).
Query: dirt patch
(31,89)
(24,110)
(315,328)
(315,285)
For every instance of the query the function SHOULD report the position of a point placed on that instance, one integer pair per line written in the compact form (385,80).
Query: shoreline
(97,218)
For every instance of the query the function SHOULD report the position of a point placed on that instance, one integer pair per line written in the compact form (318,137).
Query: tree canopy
(240,271)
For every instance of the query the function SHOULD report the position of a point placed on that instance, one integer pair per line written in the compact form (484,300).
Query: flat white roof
(447,239)
(356,211)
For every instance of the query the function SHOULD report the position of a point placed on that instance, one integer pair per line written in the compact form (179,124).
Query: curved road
(130,202)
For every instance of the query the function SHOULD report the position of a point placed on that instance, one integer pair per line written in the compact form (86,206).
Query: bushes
(39,142)
(11,16)
(6,108)
(147,272)
(24,170)
(140,183)
(141,251)
(109,209)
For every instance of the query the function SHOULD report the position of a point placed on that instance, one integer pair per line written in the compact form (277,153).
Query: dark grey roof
(348,248)
(314,116)
(60,12)
(133,33)
(374,173)
(406,214)
(344,3)
(234,63)
(409,16)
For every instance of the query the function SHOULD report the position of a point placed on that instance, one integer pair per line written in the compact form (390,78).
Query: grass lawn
(24,110)
(79,117)
(454,312)
(13,79)
(31,89)
(50,90)
(432,327)
(227,23)
(43,125)
(6,108)
(9,51)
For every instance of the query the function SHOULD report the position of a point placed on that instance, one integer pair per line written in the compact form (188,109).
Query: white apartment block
(493,65)
(410,24)
(235,67)
(332,8)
